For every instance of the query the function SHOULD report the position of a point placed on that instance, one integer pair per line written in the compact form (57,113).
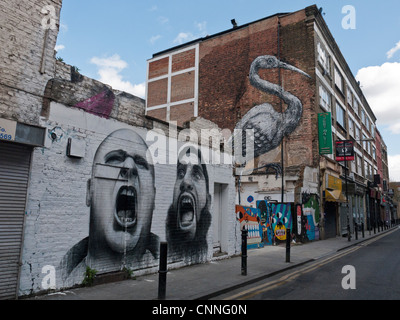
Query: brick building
(279,76)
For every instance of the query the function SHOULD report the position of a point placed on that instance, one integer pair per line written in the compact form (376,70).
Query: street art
(120,195)
(100,104)
(249,219)
(281,214)
(311,213)
(265,208)
(269,125)
(189,217)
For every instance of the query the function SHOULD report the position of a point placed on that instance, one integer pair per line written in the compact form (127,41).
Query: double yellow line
(265,287)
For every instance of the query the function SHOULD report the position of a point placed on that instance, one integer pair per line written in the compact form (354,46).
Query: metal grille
(14,175)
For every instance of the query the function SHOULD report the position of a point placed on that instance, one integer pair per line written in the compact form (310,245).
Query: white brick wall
(57,216)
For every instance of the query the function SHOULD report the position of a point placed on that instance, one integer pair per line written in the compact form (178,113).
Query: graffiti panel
(311,214)
(266,221)
(281,214)
(249,219)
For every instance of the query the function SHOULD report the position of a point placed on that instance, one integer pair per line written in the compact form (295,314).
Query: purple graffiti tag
(100,105)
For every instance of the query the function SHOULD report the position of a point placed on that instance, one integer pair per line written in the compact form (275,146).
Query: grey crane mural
(269,125)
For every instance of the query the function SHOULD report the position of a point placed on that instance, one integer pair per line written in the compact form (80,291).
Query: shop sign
(7,129)
(325,133)
(344,151)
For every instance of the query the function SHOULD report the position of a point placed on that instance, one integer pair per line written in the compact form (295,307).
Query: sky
(111,41)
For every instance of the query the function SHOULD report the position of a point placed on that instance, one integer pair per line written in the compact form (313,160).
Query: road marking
(250,293)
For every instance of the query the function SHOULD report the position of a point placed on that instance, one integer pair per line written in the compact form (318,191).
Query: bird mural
(269,125)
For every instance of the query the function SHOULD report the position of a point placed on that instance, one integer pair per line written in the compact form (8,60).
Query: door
(14,175)
(330,220)
(217,218)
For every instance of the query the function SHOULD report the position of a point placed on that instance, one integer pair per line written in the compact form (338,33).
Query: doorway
(219,210)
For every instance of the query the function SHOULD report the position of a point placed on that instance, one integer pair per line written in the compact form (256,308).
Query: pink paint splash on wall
(100,105)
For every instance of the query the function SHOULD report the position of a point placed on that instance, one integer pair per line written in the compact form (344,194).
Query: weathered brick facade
(225,93)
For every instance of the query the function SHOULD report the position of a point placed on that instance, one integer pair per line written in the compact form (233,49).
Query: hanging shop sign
(344,150)
(325,133)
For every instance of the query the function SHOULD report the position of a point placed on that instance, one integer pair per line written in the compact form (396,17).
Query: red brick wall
(225,92)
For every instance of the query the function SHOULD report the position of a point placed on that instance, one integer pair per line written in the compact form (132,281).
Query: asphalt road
(368,271)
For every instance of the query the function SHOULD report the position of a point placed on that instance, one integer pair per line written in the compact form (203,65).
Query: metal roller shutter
(14,175)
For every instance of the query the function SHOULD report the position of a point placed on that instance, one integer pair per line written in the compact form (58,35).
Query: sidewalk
(206,280)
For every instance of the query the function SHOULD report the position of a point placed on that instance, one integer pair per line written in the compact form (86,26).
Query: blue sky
(112,40)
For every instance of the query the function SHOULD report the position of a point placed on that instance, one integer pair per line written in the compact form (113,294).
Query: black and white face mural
(269,125)
(189,218)
(120,195)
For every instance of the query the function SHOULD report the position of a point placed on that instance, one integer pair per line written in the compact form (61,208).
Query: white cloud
(109,71)
(184,37)
(59,47)
(394,168)
(380,85)
(188,36)
(153,39)
(392,51)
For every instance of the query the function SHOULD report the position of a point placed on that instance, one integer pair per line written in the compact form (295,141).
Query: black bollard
(244,251)
(162,277)
(363,231)
(356,230)
(288,238)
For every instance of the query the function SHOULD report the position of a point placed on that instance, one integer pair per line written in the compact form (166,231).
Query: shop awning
(335,196)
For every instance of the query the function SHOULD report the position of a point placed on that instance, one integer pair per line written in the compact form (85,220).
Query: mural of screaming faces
(189,217)
(120,195)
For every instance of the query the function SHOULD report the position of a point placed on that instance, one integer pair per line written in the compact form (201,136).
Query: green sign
(325,133)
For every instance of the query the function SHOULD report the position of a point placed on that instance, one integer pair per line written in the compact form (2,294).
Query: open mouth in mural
(126,207)
(186,210)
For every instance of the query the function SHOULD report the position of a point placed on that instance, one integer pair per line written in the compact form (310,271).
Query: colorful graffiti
(310,203)
(249,219)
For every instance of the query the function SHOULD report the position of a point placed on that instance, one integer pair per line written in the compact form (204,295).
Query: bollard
(363,231)
(288,238)
(162,278)
(356,230)
(244,251)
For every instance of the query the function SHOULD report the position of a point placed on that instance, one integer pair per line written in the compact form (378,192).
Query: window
(359,165)
(349,97)
(365,169)
(374,153)
(358,136)
(323,58)
(351,127)
(338,79)
(365,145)
(362,116)
(325,99)
(355,105)
(340,115)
